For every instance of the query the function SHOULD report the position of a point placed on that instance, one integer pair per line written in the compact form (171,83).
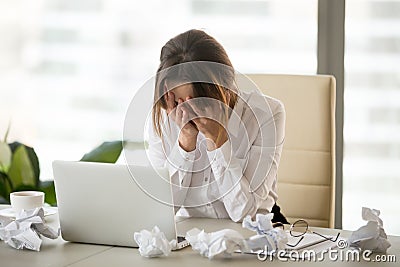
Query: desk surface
(61,253)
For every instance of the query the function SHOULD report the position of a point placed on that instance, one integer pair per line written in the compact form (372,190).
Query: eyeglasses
(299,228)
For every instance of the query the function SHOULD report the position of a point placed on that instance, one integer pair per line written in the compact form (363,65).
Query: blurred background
(69,68)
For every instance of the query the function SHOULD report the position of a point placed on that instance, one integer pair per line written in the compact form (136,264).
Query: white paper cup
(26,200)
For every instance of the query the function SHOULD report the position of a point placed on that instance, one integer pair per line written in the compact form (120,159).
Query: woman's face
(182,92)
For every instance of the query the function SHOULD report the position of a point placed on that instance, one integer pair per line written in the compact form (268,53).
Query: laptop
(101,203)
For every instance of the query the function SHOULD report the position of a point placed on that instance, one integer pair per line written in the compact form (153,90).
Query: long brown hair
(194,46)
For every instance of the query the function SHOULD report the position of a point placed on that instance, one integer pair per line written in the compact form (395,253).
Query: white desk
(61,253)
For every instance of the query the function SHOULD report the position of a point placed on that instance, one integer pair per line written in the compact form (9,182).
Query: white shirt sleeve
(246,182)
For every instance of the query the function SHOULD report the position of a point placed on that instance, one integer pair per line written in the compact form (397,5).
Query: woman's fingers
(192,107)
(185,117)
(206,108)
(179,111)
(170,100)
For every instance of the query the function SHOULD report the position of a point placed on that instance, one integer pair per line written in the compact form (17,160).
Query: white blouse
(235,180)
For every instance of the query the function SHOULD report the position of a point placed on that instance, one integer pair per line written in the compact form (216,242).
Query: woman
(222,145)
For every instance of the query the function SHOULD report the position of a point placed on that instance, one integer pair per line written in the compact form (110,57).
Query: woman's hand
(180,115)
(210,119)
(216,135)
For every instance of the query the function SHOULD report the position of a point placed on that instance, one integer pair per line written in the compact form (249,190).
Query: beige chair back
(306,176)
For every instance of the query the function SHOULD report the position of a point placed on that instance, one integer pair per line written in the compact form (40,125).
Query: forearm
(180,166)
(244,183)
(239,200)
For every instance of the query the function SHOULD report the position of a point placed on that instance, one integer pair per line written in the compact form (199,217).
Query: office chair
(306,175)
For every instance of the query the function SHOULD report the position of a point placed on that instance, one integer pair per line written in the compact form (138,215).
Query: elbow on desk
(238,215)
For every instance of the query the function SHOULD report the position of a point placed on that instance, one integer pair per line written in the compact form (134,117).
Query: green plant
(19,168)
(107,152)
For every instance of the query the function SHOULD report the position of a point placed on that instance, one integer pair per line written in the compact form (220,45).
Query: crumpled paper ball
(371,236)
(223,242)
(153,244)
(261,225)
(267,238)
(26,230)
(272,241)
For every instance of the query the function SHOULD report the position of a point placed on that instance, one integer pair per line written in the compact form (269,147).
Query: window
(70,68)
(371,169)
